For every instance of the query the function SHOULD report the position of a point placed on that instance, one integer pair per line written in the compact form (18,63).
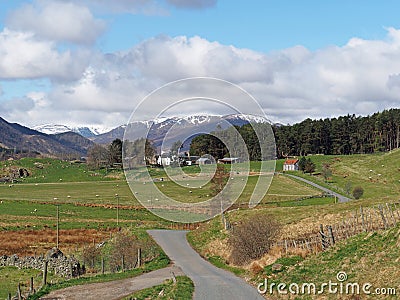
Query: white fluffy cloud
(360,77)
(57,21)
(24,56)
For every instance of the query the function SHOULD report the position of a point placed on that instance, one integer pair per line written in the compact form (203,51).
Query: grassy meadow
(88,199)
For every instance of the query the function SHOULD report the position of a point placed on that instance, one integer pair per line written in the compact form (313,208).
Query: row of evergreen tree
(343,135)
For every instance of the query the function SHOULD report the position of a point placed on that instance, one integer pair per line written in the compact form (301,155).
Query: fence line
(369,219)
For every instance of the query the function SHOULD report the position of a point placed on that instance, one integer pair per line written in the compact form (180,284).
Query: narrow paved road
(340,198)
(210,282)
(116,289)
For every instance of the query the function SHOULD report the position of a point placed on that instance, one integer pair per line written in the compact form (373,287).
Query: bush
(91,255)
(358,192)
(124,251)
(252,238)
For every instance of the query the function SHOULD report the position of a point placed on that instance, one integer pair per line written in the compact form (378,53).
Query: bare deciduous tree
(124,251)
(98,157)
(252,238)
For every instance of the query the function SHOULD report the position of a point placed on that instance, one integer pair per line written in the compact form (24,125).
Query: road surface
(210,282)
(116,289)
(340,198)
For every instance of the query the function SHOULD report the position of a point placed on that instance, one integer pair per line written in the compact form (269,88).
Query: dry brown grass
(218,248)
(35,242)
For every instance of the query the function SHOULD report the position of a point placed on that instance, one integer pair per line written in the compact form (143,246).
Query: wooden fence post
(123,263)
(362,219)
(31,290)
(382,216)
(332,238)
(45,272)
(391,214)
(102,265)
(323,237)
(139,257)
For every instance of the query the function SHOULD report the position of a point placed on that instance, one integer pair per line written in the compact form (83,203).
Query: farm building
(164,160)
(291,165)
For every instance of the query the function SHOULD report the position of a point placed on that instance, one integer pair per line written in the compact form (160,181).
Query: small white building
(164,160)
(291,165)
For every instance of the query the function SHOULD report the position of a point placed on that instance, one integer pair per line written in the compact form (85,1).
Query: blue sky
(263,25)
(91,62)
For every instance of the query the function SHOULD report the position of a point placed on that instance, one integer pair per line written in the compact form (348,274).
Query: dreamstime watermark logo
(178,196)
(338,287)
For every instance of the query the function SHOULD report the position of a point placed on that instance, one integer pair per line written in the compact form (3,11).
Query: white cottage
(291,165)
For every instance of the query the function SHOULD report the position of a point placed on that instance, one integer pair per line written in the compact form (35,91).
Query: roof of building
(291,161)
(229,159)
(203,159)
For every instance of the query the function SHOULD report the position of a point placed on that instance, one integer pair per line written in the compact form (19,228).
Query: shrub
(91,255)
(358,192)
(252,238)
(124,251)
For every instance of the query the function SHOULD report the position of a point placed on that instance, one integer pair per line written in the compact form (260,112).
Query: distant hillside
(108,137)
(21,138)
(74,141)
(158,128)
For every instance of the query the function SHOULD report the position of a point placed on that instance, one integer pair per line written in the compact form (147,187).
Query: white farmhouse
(164,160)
(291,165)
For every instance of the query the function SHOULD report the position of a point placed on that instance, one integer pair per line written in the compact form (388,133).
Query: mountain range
(23,139)
(158,128)
(61,139)
(85,131)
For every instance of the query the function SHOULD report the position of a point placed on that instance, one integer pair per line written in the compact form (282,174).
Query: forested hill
(343,135)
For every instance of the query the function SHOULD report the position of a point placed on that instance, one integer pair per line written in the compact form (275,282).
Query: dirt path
(114,289)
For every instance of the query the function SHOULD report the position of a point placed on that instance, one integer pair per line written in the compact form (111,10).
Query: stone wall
(57,263)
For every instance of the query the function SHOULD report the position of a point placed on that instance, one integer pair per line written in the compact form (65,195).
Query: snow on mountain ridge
(52,128)
(86,131)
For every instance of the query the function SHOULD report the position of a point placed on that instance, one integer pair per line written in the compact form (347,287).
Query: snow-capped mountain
(158,127)
(86,131)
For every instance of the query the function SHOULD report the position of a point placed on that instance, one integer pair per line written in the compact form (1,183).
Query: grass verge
(182,289)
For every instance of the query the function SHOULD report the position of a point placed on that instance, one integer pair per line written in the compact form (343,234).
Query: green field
(88,199)
(11,276)
(369,257)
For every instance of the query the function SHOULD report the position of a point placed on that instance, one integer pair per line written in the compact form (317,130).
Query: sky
(91,62)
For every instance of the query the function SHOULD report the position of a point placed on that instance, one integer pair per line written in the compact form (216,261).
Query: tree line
(100,156)
(243,140)
(344,135)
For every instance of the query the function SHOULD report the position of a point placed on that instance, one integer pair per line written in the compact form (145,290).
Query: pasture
(88,201)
